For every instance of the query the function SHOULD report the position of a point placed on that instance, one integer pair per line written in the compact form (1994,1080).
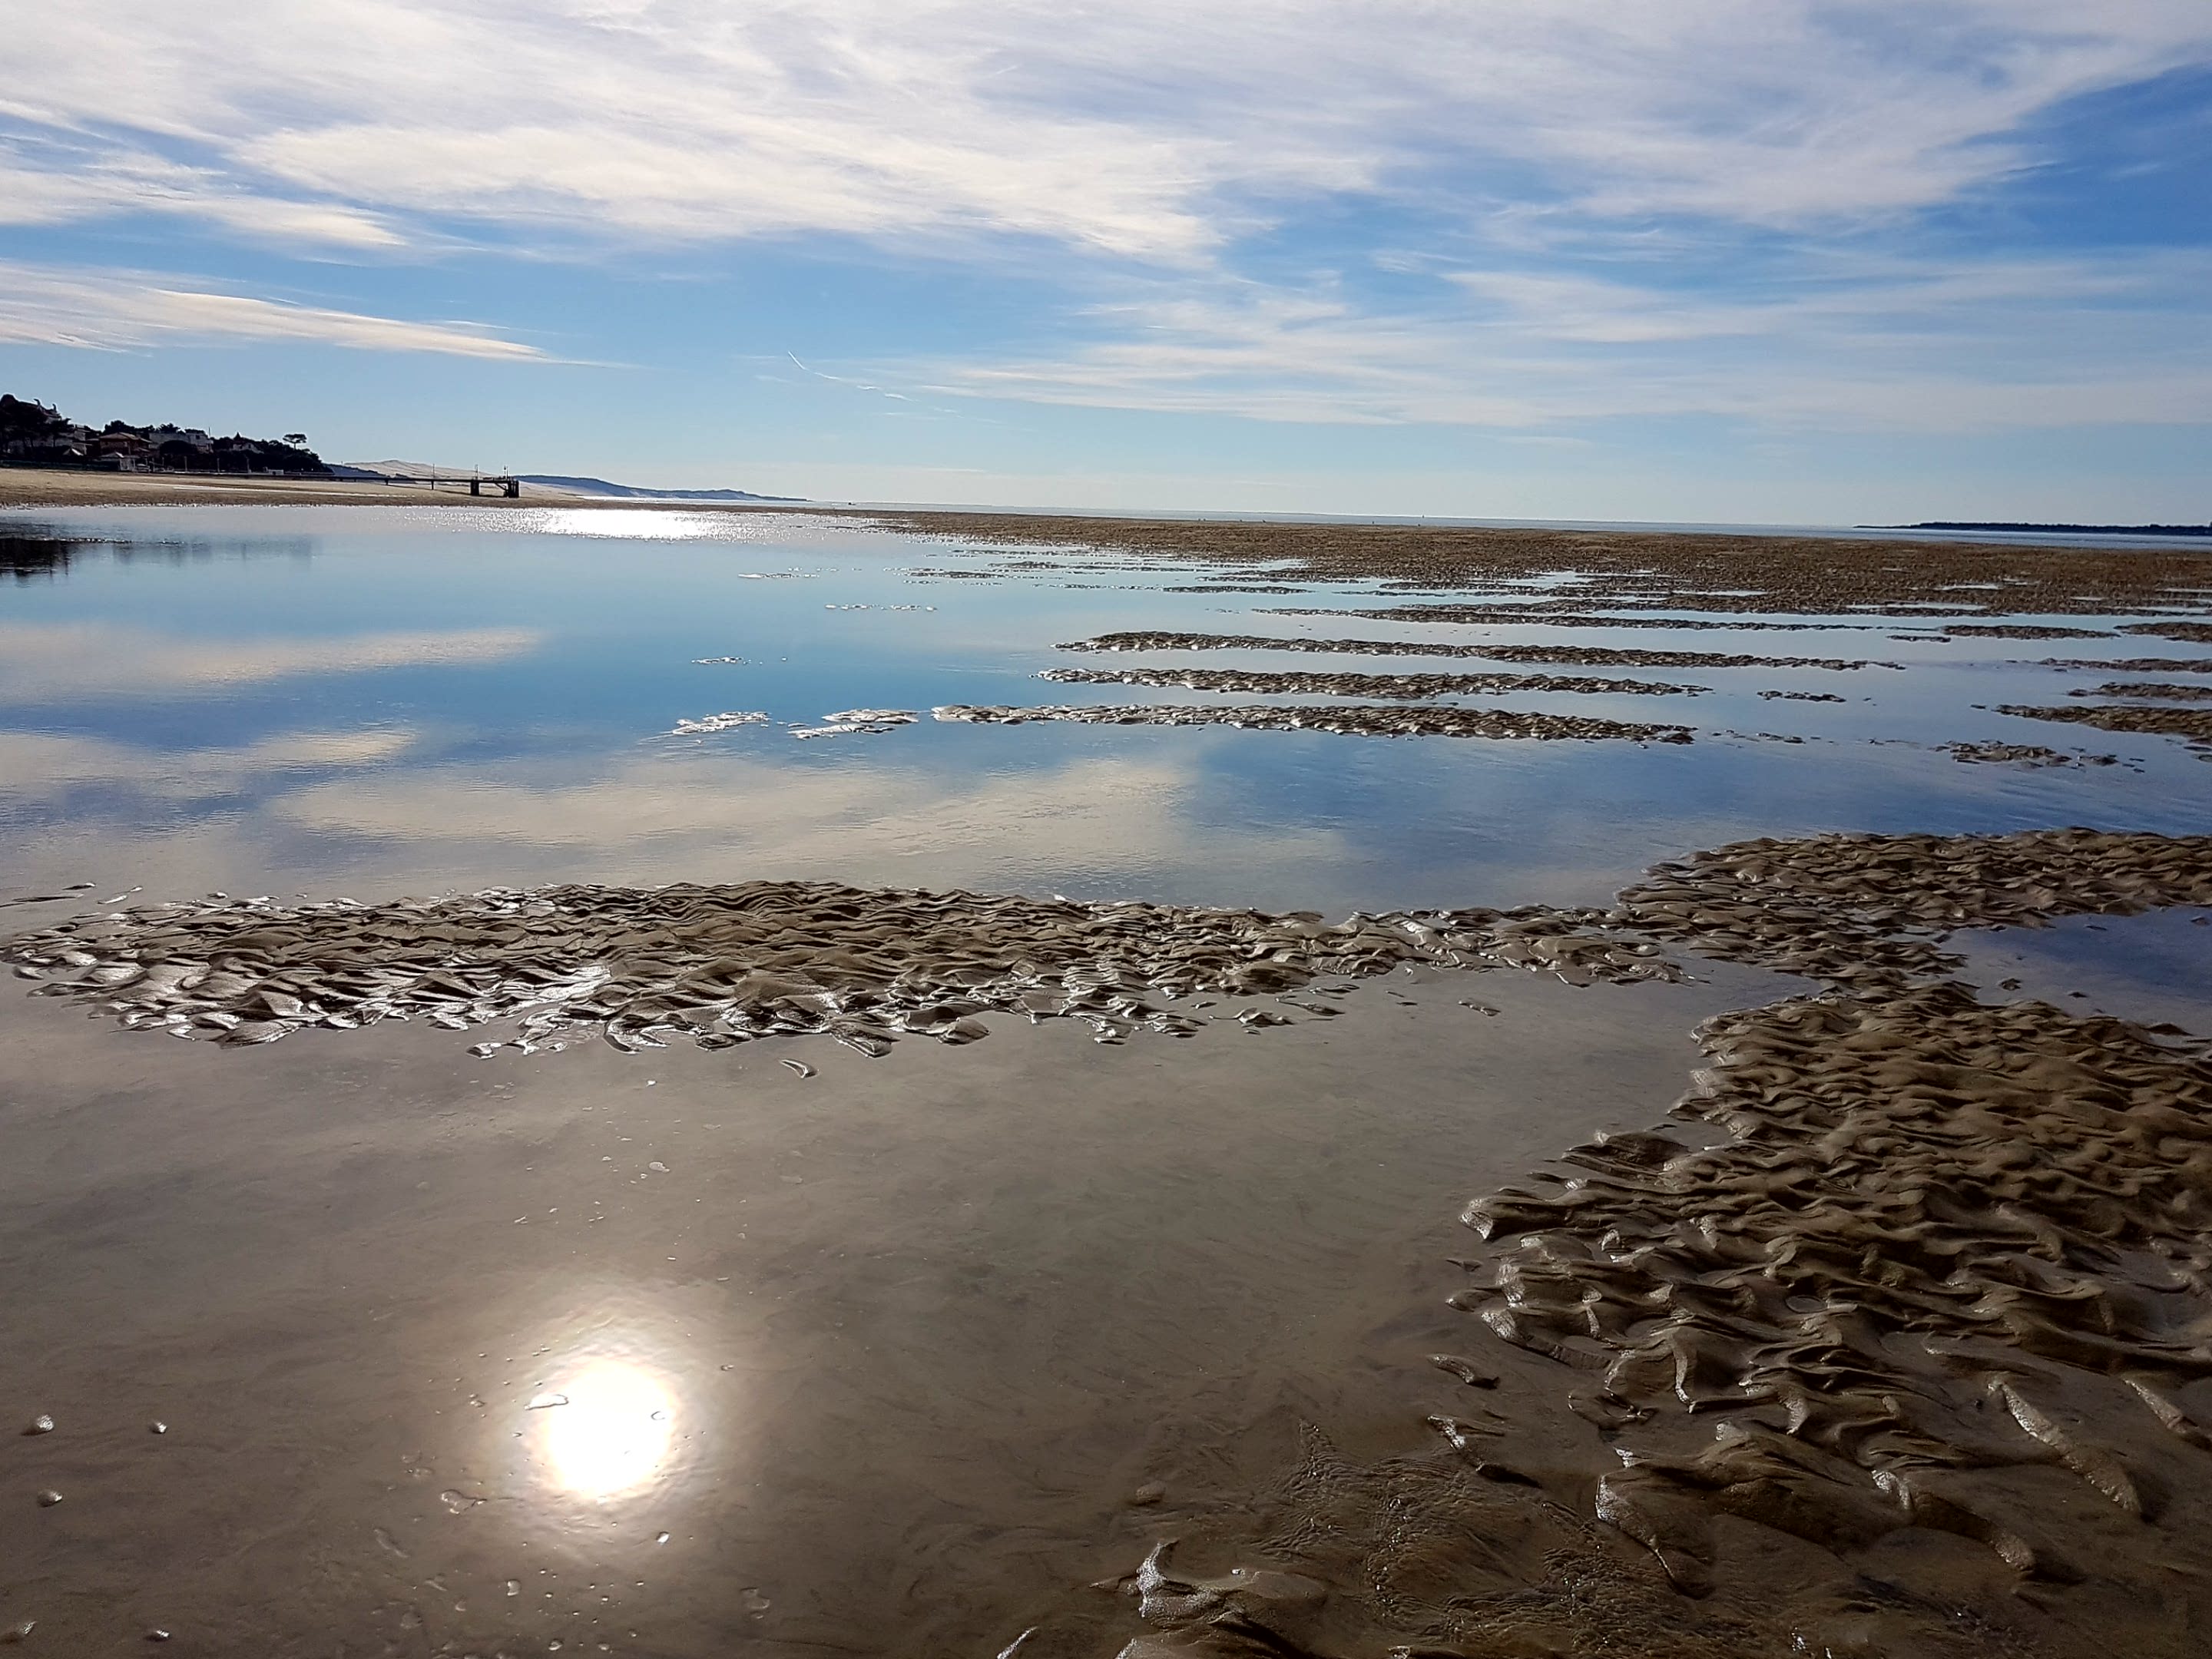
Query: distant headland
(640,492)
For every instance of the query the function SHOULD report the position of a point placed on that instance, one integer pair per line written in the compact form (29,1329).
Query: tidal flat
(642,1080)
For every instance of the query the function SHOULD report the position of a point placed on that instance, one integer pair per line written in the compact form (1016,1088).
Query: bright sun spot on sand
(612,1434)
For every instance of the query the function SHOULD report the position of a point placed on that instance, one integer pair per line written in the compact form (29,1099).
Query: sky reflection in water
(406,700)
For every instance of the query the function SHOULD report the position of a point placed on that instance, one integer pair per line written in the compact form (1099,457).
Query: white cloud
(112,310)
(1146,128)
(86,182)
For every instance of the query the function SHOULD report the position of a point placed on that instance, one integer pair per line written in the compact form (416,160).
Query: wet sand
(33,487)
(1907,1360)
(1630,570)
(943,1338)
(1894,1343)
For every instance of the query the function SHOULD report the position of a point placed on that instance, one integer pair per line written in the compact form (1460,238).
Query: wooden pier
(477,483)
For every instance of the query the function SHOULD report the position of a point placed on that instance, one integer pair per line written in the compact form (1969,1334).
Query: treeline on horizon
(40,434)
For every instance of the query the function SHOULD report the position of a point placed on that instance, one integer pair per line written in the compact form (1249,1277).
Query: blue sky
(1731,260)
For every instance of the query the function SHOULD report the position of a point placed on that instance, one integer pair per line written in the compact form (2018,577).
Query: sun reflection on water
(614,1432)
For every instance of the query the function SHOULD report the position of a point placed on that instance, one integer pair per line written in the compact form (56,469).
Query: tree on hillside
(30,421)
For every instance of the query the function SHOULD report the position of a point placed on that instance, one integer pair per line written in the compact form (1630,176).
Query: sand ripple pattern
(1861,910)
(725,964)
(1359,720)
(1941,1230)
(1409,686)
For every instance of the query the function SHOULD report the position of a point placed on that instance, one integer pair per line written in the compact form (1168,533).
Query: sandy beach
(55,487)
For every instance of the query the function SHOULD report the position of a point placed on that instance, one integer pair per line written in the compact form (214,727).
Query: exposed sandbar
(1361,685)
(1511,617)
(2023,631)
(2193,724)
(2135,665)
(1564,656)
(2148,689)
(2024,754)
(2192,633)
(724,963)
(1356,719)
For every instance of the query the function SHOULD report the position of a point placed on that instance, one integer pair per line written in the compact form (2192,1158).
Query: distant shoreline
(1236,536)
(60,486)
(2052,529)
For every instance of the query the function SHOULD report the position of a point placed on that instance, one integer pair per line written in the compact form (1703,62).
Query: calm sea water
(685,1352)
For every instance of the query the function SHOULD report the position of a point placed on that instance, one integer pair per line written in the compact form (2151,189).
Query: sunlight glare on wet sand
(612,1435)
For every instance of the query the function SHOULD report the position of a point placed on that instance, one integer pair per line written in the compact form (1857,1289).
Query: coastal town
(37,434)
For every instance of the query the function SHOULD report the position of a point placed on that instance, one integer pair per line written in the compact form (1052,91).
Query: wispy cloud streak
(1898,345)
(110,310)
(1146,128)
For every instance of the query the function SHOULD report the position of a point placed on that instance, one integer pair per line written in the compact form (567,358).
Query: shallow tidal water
(681,1352)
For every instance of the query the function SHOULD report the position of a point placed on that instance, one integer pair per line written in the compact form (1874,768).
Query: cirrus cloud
(1146,128)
